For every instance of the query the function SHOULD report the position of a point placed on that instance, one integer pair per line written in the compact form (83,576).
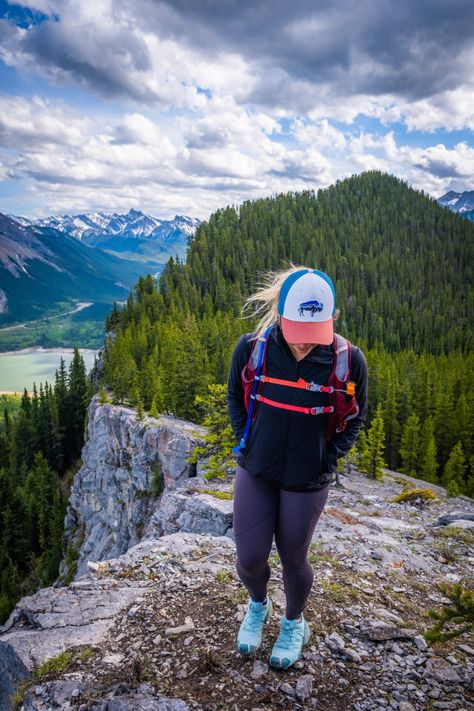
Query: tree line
(39,448)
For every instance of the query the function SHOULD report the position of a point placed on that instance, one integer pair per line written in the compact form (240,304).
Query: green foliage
(225,495)
(346,464)
(452,488)
(153,412)
(458,615)
(415,495)
(429,465)
(157,484)
(410,445)
(372,446)
(103,400)
(219,441)
(453,475)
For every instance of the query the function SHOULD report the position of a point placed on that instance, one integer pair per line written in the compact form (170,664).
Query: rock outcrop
(152,626)
(127,463)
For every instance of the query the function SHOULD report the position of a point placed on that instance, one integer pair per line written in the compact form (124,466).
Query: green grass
(50,669)
(224,576)
(240,596)
(217,494)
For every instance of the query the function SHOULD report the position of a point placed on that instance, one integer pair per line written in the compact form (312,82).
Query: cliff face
(126,464)
(149,623)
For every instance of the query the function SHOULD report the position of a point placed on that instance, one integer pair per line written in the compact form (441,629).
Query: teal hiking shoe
(249,638)
(289,645)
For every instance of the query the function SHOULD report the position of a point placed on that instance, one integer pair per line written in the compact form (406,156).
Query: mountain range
(49,265)
(130,231)
(462,203)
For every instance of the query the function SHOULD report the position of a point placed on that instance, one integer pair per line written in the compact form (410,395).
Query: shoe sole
(250,649)
(284,662)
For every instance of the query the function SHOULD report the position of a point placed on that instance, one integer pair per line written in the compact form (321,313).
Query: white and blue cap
(306,306)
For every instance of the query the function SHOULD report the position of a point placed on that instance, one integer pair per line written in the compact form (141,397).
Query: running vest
(342,398)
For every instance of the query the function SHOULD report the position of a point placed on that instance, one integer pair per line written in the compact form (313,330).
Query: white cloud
(204,113)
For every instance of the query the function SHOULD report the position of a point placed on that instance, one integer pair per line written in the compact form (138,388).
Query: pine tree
(429,464)
(102,396)
(10,588)
(372,447)
(455,469)
(78,396)
(153,412)
(61,387)
(54,551)
(410,445)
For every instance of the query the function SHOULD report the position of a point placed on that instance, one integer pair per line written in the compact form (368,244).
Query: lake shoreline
(40,349)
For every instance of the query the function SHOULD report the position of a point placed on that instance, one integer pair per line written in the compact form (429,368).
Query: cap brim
(305,332)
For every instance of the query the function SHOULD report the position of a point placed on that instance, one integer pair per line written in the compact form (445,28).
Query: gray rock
(335,642)
(448,518)
(441,670)
(461,523)
(64,618)
(304,687)
(352,655)
(111,496)
(467,649)
(259,669)
(192,512)
(377,630)
(420,642)
(287,689)
(55,694)
(207,514)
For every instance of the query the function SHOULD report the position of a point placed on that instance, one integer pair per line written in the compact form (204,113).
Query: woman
(286,465)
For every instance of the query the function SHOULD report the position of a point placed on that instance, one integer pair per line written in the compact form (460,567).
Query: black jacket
(288,449)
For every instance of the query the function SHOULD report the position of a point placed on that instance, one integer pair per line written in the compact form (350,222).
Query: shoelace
(285,638)
(253,619)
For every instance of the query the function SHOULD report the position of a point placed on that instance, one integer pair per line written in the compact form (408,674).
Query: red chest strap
(303,384)
(319,410)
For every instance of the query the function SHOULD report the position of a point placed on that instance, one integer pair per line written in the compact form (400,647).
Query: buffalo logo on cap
(310,307)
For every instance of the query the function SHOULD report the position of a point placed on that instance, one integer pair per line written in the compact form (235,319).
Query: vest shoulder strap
(342,357)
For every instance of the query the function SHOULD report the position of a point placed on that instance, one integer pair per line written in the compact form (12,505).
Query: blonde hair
(268,295)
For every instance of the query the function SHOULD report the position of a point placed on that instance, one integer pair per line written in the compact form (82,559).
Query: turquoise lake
(20,369)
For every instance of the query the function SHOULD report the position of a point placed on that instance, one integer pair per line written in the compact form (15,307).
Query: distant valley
(49,266)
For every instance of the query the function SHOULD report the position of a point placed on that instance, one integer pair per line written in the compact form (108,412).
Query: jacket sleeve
(235,390)
(341,443)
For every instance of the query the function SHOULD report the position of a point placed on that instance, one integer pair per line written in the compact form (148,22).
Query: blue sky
(181,108)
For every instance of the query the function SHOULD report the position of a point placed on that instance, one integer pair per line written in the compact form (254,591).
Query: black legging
(261,510)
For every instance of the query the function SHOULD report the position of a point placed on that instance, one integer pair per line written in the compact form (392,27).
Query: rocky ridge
(151,624)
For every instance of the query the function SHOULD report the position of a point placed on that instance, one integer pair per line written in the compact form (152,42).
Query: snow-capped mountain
(96,228)
(463,203)
(44,272)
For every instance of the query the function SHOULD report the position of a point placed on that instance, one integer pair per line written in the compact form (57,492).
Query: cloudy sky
(184,106)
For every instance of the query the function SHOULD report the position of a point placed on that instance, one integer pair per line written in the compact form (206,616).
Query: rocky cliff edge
(154,626)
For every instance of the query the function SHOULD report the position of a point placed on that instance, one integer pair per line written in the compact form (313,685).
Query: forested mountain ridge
(394,254)
(402,267)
